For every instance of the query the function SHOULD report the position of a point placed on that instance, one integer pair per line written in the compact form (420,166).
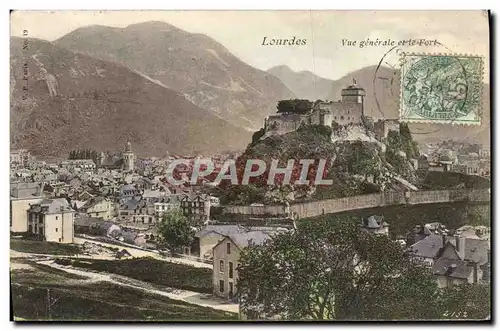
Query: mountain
(304,84)
(194,64)
(75,101)
(382,101)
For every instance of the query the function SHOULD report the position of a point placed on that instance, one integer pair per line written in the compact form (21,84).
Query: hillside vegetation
(355,166)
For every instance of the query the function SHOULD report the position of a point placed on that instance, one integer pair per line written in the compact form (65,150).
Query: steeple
(128,147)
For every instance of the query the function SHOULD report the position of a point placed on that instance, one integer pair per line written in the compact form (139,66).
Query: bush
(298,106)
(320,130)
(257,135)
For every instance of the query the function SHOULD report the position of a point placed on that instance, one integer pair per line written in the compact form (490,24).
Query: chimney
(460,246)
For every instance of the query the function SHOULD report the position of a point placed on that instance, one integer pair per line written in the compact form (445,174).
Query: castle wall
(331,206)
(382,128)
(284,123)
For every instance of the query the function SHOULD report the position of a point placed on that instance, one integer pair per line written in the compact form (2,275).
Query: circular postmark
(446,97)
(435,87)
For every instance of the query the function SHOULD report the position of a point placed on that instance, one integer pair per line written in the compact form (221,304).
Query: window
(221,266)
(230,269)
(57,217)
(228,246)
(59,239)
(341,117)
(57,229)
(221,286)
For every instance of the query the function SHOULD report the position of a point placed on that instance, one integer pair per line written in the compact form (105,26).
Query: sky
(242,33)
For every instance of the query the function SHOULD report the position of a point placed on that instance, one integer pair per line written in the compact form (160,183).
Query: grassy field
(157,272)
(74,299)
(43,247)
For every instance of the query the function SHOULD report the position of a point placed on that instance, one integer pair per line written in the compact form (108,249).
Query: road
(195,298)
(142,253)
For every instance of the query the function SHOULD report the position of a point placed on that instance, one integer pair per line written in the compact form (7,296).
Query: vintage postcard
(250,165)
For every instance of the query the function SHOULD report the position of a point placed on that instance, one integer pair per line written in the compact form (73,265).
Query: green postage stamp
(441,88)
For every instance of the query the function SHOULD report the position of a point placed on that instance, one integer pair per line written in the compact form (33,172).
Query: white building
(484,153)
(22,195)
(79,165)
(226,256)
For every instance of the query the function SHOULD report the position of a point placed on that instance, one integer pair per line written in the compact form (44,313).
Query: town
(165,167)
(117,206)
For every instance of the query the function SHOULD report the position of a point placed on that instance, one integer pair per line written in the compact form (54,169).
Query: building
(226,255)
(484,153)
(75,166)
(430,249)
(210,235)
(22,196)
(419,232)
(462,262)
(423,162)
(196,206)
(469,231)
(20,157)
(52,220)
(128,158)
(472,166)
(84,224)
(349,110)
(134,211)
(375,225)
(99,207)
(166,204)
(129,191)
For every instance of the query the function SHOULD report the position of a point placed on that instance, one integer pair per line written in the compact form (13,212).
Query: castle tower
(128,158)
(354,93)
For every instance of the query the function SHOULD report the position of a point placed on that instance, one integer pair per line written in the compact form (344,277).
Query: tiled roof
(428,247)
(249,238)
(224,230)
(452,268)
(476,250)
(52,206)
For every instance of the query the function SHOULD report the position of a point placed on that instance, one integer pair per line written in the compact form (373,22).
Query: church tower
(128,158)
(354,93)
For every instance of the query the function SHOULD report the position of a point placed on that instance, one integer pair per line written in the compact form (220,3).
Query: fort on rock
(347,111)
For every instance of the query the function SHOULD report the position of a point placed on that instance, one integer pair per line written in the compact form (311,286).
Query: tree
(257,135)
(329,269)
(299,106)
(176,230)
